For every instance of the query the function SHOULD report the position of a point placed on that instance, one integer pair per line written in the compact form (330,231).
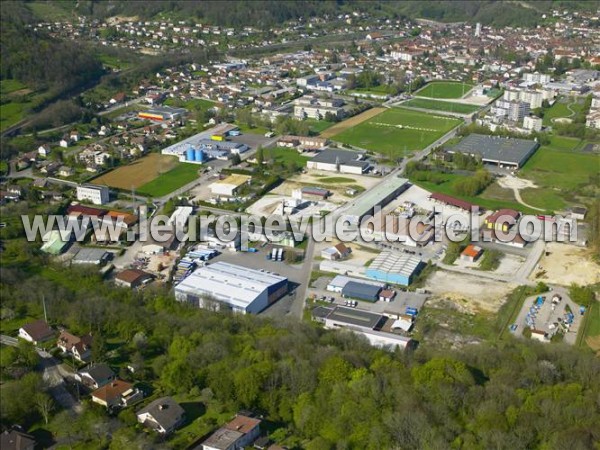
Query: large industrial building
(209,144)
(162,113)
(501,151)
(229,186)
(342,161)
(394,268)
(379,195)
(377,328)
(98,195)
(225,286)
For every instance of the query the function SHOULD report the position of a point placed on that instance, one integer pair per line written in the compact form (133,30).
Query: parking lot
(549,316)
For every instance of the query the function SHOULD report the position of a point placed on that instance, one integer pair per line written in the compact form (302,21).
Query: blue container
(199,154)
(190,155)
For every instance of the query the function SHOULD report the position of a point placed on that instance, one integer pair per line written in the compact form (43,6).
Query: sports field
(444,89)
(351,122)
(437,105)
(153,175)
(396,131)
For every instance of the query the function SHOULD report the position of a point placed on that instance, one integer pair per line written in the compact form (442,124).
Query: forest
(316,389)
(272,12)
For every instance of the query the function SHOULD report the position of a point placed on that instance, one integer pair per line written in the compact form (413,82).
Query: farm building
(342,161)
(394,268)
(471,253)
(361,291)
(229,286)
(230,185)
(501,151)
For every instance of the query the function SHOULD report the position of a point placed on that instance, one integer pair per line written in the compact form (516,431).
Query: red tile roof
(456,202)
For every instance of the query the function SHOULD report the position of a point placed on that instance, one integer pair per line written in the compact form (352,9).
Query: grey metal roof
(395,263)
(344,157)
(362,291)
(355,317)
(496,148)
(90,255)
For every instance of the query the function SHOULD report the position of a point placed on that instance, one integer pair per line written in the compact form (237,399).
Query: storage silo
(190,154)
(199,155)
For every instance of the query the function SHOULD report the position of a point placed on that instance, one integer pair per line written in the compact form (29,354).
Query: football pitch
(444,89)
(437,105)
(397,131)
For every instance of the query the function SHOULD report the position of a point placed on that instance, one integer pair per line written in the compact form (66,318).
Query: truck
(274,254)
(280,254)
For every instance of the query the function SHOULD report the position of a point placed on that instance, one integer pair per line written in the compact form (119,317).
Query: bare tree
(44,405)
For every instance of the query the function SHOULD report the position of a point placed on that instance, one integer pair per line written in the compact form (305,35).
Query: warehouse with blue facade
(395,268)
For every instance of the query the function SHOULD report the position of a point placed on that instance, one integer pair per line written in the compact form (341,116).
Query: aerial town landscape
(300,225)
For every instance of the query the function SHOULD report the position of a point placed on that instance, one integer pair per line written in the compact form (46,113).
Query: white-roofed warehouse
(223,286)
(394,268)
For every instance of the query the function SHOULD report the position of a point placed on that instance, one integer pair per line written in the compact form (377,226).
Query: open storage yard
(398,130)
(154,175)
(444,89)
(566,264)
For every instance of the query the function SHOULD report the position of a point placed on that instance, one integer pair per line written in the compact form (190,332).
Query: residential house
(117,394)
(237,434)
(64,143)
(79,347)
(163,415)
(44,150)
(339,251)
(36,332)
(74,135)
(65,171)
(16,440)
(95,376)
(132,278)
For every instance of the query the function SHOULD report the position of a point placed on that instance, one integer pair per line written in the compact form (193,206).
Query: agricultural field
(153,175)
(351,122)
(397,131)
(444,89)
(17,100)
(437,105)
(557,169)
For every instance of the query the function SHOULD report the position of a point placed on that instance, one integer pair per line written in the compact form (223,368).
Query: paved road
(54,375)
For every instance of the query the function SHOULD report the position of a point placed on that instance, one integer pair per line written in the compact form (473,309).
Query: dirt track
(352,121)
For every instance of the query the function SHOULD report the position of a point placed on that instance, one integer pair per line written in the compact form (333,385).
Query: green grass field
(285,155)
(397,130)
(166,183)
(9,86)
(437,105)
(11,113)
(444,89)
(562,108)
(556,169)
(192,104)
(318,126)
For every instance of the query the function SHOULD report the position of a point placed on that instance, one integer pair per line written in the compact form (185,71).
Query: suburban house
(36,332)
(16,440)
(79,347)
(132,278)
(44,150)
(163,415)
(339,251)
(237,434)
(471,253)
(95,376)
(117,394)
